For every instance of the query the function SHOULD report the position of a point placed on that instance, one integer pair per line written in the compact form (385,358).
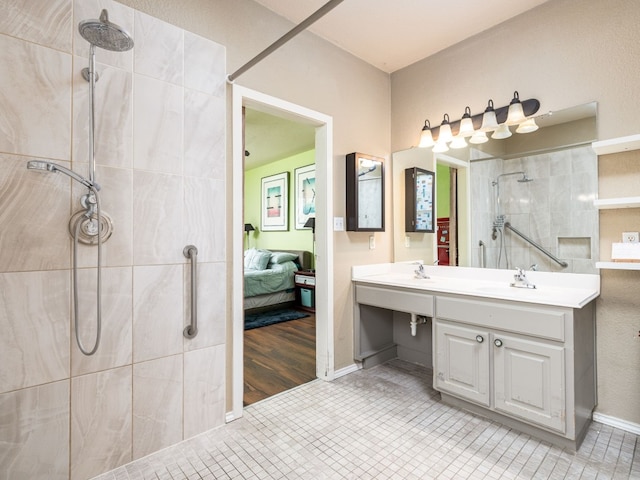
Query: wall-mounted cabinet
(365,193)
(419,190)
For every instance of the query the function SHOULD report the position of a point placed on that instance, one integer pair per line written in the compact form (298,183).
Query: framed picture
(275,203)
(305,194)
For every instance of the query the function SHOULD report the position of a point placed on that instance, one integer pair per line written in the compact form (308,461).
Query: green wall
(292,239)
(443,186)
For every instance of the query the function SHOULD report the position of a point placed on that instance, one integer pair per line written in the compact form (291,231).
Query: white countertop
(573,290)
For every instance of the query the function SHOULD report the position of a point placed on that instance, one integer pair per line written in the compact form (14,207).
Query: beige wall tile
(34,431)
(115,345)
(36,115)
(205,210)
(204,397)
(113,105)
(159,51)
(204,65)
(34,217)
(158,124)
(157,405)
(46,23)
(34,321)
(204,135)
(157,311)
(100,422)
(157,218)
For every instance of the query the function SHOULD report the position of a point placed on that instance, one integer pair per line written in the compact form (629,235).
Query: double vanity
(521,355)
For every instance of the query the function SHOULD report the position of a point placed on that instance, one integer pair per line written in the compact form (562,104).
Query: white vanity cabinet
(533,364)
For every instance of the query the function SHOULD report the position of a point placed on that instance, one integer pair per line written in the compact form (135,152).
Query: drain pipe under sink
(415,321)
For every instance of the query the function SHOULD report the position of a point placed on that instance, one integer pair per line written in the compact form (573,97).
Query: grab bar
(483,252)
(190,331)
(548,254)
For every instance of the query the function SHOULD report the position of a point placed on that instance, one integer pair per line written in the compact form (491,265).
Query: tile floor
(382,423)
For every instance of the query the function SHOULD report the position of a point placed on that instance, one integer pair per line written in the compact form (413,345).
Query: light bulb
(426,139)
(502,132)
(528,126)
(515,114)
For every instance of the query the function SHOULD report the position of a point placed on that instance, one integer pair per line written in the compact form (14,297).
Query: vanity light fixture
(528,126)
(444,134)
(466,124)
(502,132)
(440,147)
(479,137)
(495,120)
(426,139)
(489,120)
(458,142)
(515,113)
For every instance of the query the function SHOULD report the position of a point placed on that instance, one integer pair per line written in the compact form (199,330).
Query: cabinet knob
(479,338)
(497,342)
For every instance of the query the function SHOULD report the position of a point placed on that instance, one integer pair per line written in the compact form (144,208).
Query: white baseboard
(617,423)
(229,417)
(346,370)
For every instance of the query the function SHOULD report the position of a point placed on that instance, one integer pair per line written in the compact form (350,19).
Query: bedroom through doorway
(279,307)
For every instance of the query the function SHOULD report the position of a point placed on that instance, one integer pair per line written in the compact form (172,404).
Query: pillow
(281,257)
(256,259)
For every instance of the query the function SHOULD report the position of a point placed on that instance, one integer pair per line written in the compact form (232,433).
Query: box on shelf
(625,252)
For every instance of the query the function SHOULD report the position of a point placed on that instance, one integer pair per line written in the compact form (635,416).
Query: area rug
(262,319)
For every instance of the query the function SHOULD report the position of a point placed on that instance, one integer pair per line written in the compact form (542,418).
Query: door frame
(325,366)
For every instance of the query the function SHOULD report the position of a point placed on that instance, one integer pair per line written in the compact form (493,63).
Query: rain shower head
(54,167)
(104,34)
(525,178)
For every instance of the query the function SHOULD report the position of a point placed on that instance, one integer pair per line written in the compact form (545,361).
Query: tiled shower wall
(555,210)
(160,153)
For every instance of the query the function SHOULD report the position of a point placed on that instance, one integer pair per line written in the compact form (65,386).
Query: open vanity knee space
(524,357)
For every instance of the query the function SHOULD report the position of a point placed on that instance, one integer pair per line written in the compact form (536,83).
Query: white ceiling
(388,34)
(391,34)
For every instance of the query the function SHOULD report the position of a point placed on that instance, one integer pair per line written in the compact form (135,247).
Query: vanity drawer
(519,319)
(395,299)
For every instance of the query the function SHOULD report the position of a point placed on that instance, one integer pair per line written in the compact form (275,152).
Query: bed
(269,277)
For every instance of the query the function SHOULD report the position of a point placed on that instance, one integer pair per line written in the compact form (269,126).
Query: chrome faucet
(520,279)
(420,273)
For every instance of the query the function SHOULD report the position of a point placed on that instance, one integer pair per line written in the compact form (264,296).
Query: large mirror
(365,193)
(524,201)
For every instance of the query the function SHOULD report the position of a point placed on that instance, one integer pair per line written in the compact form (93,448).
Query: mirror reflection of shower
(500,220)
(90,225)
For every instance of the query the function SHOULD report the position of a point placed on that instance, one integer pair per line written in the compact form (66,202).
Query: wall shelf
(622,202)
(618,265)
(616,145)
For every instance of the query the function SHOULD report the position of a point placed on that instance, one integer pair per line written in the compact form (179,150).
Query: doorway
(323,124)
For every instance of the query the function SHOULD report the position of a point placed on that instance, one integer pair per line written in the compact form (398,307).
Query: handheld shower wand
(54,167)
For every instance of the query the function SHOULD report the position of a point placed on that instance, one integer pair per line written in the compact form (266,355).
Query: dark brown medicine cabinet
(419,191)
(365,193)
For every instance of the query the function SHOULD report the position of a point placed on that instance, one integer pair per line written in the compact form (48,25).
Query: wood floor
(279,357)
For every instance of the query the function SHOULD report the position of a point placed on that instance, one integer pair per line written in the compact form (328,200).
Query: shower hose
(76,313)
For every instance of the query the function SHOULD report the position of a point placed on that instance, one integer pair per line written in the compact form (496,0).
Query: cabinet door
(462,362)
(529,380)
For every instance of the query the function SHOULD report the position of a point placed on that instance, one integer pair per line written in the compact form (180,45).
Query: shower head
(54,167)
(104,34)
(525,179)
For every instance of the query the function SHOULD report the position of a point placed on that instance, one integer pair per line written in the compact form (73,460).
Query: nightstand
(305,286)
